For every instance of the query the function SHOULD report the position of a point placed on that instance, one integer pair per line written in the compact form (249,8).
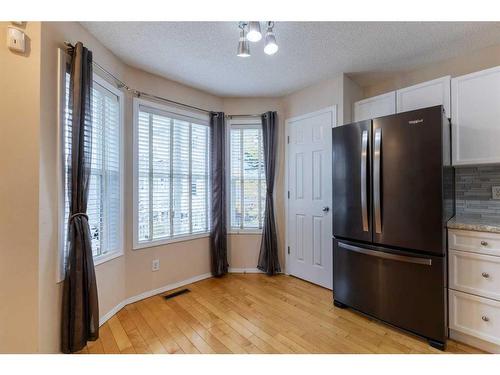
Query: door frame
(333,110)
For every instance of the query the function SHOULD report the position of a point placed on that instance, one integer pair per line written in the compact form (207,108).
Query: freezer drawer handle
(380,254)
(364,157)
(376,180)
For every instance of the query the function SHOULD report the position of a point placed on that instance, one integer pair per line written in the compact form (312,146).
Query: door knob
(484,243)
(485,318)
(326,209)
(485,275)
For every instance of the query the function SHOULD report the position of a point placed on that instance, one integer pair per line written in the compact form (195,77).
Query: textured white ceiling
(203,54)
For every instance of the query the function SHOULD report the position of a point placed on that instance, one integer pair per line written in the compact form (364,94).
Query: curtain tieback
(78,214)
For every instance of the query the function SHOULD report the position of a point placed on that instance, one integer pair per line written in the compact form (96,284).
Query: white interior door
(309,223)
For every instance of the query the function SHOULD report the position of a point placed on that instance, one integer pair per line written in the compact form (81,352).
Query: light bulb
(271,46)
(254,34)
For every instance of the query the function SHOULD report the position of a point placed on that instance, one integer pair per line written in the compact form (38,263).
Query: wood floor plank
(153,342)
(107,339)
(253,313)
(120,335)
(95,347)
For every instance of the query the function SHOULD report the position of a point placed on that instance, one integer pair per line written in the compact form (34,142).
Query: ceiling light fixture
(243,45)
(254,34)
(250,31)
(271,46)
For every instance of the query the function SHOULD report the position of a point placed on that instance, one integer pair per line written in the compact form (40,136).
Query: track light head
(254,34)
(271,46)
(243,45)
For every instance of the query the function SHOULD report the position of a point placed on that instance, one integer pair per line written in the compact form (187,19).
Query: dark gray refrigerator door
(351,181)
(408,181)
(400,288)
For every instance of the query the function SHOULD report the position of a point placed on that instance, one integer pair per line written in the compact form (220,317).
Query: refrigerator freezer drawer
(399,288)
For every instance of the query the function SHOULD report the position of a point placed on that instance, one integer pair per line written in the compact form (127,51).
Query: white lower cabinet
(475,273)
(474,288)
(475,316)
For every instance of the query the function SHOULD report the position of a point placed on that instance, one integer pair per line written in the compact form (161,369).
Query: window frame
(63,59)
(241,123)
(173,112)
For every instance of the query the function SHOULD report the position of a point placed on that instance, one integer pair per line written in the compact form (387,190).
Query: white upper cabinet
(476,117)
(377,106)
(426,94)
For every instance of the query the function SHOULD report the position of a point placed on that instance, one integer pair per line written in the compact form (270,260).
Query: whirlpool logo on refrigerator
(416,122)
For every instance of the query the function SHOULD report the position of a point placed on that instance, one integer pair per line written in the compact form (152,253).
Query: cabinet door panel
(426,94)
(476,117)
(377,106)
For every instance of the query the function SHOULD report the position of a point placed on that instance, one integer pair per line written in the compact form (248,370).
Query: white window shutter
(173,176)
(104,199)
(247,178)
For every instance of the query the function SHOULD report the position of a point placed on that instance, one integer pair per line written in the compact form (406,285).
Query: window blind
(104,201)
(172,194)
(248,181)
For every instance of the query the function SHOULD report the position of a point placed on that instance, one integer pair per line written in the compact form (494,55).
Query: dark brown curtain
(268,257)
(80,312)
(218,237)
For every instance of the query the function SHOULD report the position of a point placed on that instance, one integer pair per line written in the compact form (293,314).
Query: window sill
(107,257)
(144,245)
(245,231)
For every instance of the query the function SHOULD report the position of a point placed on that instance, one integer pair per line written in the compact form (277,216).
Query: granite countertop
(474,223)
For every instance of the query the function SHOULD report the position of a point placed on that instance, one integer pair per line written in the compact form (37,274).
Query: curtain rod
(253,115)
(135,92)
(138,93)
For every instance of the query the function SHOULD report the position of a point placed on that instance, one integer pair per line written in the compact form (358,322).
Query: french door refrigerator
(393,192)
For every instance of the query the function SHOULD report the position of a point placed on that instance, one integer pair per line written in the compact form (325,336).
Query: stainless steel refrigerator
(393,192)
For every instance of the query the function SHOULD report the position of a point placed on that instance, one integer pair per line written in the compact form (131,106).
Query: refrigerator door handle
(364,159)
(376,180)
(380,254)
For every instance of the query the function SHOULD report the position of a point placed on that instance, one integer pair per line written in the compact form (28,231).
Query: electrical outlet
(495,192)
(155,266)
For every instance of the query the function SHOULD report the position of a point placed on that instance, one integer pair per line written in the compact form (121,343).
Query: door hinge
(288,139)
(288,194)
(288,249)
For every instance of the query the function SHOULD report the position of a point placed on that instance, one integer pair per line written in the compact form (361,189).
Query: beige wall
(471,62)
(313,98)
(19,173)
(130,274)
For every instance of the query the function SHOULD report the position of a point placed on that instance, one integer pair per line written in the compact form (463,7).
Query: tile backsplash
(473,191)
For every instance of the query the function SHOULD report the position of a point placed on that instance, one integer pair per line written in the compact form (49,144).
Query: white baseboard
(475,342)
(166,288)
(244,270)
(151,293)
(103,319)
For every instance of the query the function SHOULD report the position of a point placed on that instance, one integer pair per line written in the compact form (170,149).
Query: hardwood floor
(252,313)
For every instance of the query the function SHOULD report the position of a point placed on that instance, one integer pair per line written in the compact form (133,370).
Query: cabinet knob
(484,243)
(485,318)
(485,275)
